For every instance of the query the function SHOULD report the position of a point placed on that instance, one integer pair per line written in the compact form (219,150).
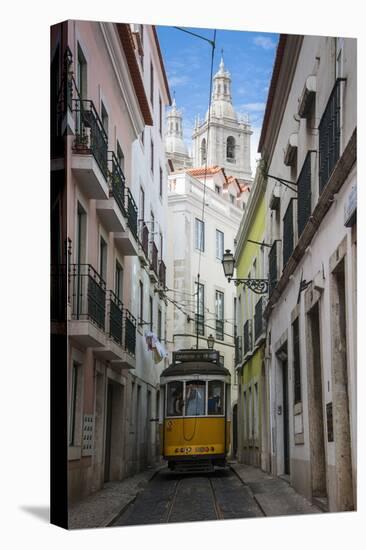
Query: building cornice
(288,51)
(257,191)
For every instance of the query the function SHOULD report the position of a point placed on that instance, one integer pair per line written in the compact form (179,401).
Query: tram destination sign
(185,356)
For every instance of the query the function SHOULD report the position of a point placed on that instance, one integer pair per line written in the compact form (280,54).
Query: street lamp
(210,342)
(259,286)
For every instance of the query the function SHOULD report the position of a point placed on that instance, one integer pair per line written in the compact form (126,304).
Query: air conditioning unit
(274,201)
(291,150)
(307,97)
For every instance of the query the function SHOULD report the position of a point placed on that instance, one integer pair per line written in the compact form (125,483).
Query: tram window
(175,399)
(195,398)
(215,397)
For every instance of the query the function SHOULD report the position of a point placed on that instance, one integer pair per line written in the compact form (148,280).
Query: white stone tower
(175,147)
(228,144)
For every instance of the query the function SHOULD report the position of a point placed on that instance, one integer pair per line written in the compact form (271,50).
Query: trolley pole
(198,308)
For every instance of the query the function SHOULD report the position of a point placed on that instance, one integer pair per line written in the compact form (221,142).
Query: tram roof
(187,368)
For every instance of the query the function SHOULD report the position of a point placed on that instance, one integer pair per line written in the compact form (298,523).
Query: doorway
(316,408)
(286,432)
(235,430)
(108,435)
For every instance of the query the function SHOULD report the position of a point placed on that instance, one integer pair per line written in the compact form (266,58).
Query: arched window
(230,148)
(203,151)
(225,88)
(176,126)
(219,89)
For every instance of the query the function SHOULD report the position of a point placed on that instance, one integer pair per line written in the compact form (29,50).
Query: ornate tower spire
(174,144)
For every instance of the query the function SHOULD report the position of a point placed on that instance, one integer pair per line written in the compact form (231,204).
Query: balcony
(127,359)
(144,243)
(273,269)
(329,136)
(62,121)
(219,329)
(304,195)
(90,151)
(238,349)
(127,241)
(248,340)
(288,233)
(87,295)
(113,212)
(259,323)
(153,272)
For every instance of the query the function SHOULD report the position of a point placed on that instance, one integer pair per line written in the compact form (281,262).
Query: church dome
(221,108)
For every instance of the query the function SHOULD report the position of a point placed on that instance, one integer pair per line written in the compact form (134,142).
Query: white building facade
(309,139)
(202,307)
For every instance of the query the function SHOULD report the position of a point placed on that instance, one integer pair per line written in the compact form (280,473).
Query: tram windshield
(215,401)
(195,398)
(175,399)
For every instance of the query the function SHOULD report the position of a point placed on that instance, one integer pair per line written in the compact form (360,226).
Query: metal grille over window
(288,233)
(258,318)
(329,135)
(88,434)
(238,349)
(272,262)
(304,195)
(247,336)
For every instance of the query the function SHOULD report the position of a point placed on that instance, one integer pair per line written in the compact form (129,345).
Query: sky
(248,56)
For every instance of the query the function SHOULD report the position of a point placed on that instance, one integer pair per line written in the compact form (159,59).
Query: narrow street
(170,498)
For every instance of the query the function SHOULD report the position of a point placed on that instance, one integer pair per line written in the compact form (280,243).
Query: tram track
(172,502)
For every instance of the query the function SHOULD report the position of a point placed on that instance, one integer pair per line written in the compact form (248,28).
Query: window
(174,401)
(152,156)
(296,360)
(230,148)
(142,204)
(219,310)
(104,117)
(219,244)
(200,234)
(232,199)
(203,151)
(152,84)
(160,182)
(152,218)
(159,324)
(81,235)
(288,233)
(217,189)
(119,281)
(151,313)
(103,258)
(120,157)
(141,303)
(215,403)
(73,402)
(81,74)
(195,400)
(160,116)
(200,309)
(256,411)
(161,245)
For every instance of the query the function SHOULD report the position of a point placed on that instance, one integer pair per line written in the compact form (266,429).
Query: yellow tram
(195,411)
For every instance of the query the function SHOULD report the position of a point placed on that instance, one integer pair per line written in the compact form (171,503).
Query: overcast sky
(248,56)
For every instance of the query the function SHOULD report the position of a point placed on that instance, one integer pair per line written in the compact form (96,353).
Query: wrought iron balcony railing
(58,292)
(162,273)
(87,294)
(259,324)
(91,138)
(273,267)
(238,349)
(131,214)
(329,135)
(117,183)
(154,258)
(304,195)
(199,324)
(248,340)
(115,317)
(130,332)
(288,233)
(219,329)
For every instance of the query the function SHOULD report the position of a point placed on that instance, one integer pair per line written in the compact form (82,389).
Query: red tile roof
(202,171)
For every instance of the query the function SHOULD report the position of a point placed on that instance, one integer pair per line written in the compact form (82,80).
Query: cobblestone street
(226,494)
